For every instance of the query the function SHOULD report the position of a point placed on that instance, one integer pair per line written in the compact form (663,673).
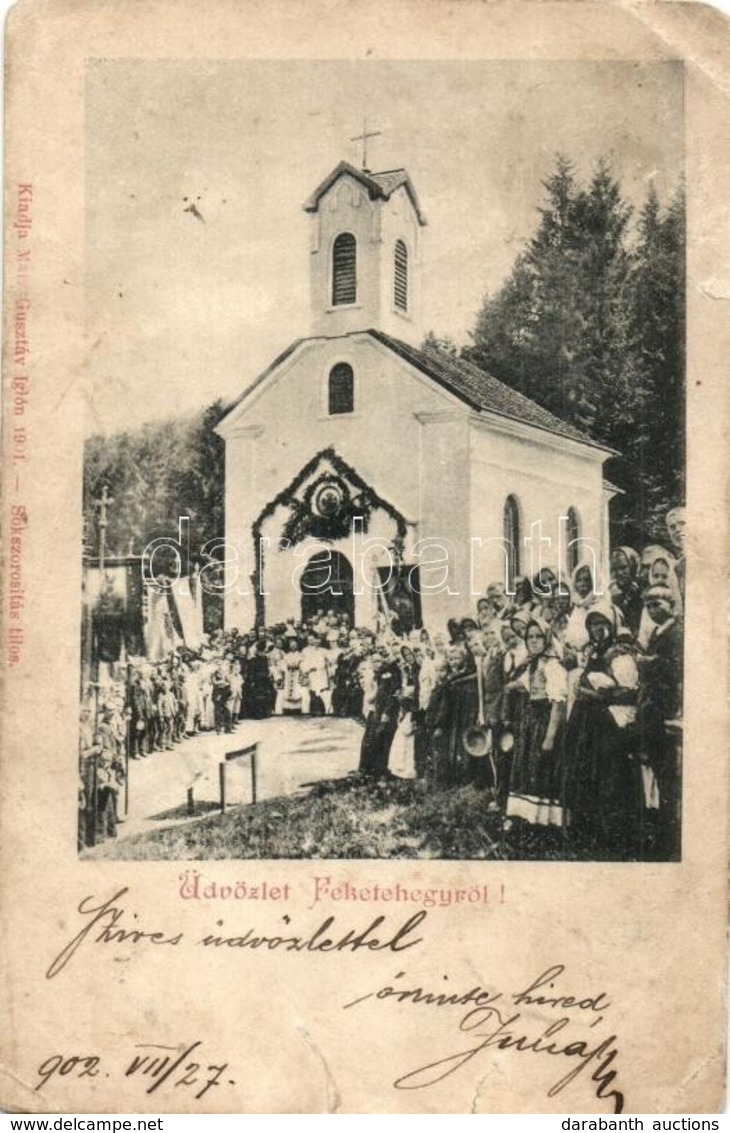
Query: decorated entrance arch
(324,501)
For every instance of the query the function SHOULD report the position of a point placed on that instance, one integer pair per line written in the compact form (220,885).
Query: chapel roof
(379,186)
(479,389)
(468,382)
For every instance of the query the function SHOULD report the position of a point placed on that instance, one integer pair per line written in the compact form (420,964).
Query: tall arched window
(572,537)
(344,269)
(341,392)
(512,539)
(400,279)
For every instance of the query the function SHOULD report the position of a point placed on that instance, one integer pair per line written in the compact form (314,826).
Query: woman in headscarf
(537,767)
(582,588)
(604,791)
(544,585)
(513,640)
(625,589)
(514,658)
(514,661)
(485,614)
(406,753)
(583,591)
(657,568)
(428,671)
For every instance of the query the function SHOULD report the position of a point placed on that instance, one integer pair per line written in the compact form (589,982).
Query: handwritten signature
(491,1019)
(156,1064)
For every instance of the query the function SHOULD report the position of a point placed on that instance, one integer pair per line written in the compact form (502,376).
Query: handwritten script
(542,1017)
(154,1064)
(496,1020)
(108,923)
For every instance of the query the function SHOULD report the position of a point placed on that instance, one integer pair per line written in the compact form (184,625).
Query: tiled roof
(479,389)
(381,185)
(390,179)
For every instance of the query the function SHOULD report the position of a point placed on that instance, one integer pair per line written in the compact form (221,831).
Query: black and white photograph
(384,465)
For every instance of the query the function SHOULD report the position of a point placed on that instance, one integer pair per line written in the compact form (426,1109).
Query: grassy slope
(343,819)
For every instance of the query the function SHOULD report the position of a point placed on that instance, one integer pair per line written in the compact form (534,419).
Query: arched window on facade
(341,391)
(400,279)
(344,269)
(572,536)
(512,538)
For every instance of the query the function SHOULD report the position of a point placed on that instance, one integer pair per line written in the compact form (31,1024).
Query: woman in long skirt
(535,795)
(603,786)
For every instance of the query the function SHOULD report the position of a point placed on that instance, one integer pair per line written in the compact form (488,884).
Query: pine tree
(530,333)
(658,303)
(442,342)
(593,330)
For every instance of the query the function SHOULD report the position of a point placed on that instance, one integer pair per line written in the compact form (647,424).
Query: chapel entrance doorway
(326,584)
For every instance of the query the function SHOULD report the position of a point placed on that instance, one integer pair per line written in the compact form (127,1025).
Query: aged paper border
(653,936)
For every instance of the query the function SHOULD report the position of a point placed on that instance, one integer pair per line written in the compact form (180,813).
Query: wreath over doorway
(325,510)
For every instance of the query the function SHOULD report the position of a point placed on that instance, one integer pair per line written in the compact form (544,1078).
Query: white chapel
(365,473)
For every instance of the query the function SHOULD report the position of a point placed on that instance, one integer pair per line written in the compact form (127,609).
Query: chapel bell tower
(366,254)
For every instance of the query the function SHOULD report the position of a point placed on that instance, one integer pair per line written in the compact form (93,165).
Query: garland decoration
(326,510)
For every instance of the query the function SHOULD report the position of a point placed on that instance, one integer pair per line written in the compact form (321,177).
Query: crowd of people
(561,704)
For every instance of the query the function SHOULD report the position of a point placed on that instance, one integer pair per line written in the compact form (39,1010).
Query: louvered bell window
(344,270)
(341,389)
(401,276)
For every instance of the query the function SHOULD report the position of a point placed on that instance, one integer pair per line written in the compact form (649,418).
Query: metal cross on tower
(363,137)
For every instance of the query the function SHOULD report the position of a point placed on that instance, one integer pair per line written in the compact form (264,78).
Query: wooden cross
(103,504)
(363,137)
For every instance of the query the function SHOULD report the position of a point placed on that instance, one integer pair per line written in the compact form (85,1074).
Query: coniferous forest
(591,324)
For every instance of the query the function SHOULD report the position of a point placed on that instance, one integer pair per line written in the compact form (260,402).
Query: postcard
(365,457)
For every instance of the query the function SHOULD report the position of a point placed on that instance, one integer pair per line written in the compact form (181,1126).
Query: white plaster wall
(547,478)
(285,423)
(345,207)
(376,225)
(240,607)
(421,450)
(444,512)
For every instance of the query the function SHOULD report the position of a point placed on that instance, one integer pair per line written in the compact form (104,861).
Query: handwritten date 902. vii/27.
(153,1064)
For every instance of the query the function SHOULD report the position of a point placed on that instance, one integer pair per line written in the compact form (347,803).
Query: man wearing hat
(661,665)
(676,522)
